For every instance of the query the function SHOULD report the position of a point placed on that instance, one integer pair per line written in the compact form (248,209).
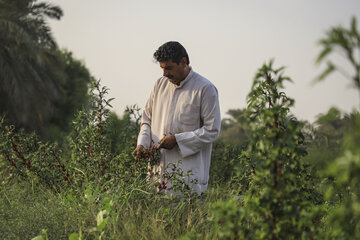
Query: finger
(135,154)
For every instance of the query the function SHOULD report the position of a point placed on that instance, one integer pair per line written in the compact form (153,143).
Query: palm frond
(329,69)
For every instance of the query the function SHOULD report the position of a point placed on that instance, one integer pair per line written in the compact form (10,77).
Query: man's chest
(179,106)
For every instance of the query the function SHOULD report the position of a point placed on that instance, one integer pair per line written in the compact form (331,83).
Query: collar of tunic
(187,79)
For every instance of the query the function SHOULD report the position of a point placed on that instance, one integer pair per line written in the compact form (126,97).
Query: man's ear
(184,61)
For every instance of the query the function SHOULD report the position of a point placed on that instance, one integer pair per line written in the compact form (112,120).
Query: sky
(227,42)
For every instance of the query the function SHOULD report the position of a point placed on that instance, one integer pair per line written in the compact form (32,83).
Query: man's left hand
(168,142)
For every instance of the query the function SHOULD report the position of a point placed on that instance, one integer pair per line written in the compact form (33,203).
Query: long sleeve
(144,137)
(192,142)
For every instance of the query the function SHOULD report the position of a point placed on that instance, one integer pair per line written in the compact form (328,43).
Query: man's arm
(192,142)
(144,137)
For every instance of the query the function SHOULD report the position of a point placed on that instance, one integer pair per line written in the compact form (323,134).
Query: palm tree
(28,64)
(345,42)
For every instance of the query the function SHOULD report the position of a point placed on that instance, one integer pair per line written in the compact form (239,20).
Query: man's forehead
(167,64)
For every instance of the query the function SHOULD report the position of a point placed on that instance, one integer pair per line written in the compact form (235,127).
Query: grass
(27,208)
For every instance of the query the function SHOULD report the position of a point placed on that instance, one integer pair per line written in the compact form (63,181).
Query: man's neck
(186,73)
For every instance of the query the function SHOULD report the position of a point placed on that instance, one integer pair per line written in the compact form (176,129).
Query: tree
(28,65)
(235,130)
(345,42)
(74,80)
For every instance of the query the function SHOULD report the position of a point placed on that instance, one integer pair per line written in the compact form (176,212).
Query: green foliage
(79,186)
(263,185)
(226,216)
(344,219)
(122,132)
(101,220)
(346,42)
(88,152)
(28,158)
(86,156)
(42,236)
(327,139)
(74,80)
(27,208)
(331,128)
(28,83)
(279,197)
(175,181)
(67,191)
(41,87)
(224,162)
(90,144)
(235,130)
(132,213)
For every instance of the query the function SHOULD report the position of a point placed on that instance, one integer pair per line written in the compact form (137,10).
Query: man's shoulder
(202,81)
(161,81)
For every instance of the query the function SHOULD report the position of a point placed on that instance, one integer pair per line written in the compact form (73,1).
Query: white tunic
(191,112)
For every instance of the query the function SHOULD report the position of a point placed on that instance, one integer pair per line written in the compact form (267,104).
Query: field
(67,165)
(281,181)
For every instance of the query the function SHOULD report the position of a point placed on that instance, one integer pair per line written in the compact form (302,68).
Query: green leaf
(354,31)
(324,53)
(74,236)
(38,238)
(102,225)
(330,68)
(42,236)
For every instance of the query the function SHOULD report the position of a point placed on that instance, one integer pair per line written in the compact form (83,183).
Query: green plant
(279,196)
(85,158)
(224,162)
(344,218)
(42,236)
(175,181)
(102,218)
(345,42)
(29,71)
(30,159)
(226,216)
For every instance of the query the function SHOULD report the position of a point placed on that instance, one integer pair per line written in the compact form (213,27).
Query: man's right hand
(137,151)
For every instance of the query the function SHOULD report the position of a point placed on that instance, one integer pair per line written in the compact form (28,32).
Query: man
(182,116)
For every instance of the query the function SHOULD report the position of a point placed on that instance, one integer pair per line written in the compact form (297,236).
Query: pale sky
(227,41)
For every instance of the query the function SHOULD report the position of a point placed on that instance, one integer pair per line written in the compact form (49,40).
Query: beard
(174,80)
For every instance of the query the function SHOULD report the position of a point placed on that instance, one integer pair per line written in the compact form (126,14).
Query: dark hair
(173,51)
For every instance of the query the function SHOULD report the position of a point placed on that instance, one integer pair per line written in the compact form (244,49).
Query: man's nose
(165,73)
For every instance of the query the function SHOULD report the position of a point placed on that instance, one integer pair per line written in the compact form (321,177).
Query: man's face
(174,72)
